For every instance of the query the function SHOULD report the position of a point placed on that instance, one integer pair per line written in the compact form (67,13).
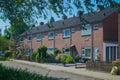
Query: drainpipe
(92,43)
(54,39)
(70,37)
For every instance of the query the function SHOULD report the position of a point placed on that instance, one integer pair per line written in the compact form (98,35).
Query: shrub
(51,56)
(42,53)
(77,58)
(56,51)
(117,63)
(33,55)
(2,58)
(65,58)
(8,53)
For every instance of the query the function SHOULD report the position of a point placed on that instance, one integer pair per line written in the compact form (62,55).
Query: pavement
(73,70)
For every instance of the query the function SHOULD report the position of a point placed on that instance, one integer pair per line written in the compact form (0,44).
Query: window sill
(64,37)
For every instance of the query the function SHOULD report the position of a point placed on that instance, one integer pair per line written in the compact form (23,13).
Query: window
(86,52)
(87,30)
(95,26)
(29,38)
(73,30)
(39,36)
(51,35)
(66,33)
(65,50)
(21,39)
(50,50)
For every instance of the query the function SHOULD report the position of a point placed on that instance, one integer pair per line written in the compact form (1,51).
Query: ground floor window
(50,50)
(66,50)
(111,53)
(29,51)
(86,52)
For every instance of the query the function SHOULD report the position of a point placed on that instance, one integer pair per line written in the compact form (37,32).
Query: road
(57,75)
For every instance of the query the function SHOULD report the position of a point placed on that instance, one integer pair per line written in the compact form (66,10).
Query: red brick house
(100,36)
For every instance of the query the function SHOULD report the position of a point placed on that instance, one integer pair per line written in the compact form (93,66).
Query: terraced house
(99,37)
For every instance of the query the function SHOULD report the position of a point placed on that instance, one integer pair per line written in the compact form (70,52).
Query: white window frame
(40,35)
(87,30)
(64,33)
(84,55)
(49,35)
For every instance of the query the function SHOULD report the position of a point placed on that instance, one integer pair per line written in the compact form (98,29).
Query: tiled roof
(73,21)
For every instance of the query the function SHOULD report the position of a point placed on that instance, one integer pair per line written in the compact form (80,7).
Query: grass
(18,74)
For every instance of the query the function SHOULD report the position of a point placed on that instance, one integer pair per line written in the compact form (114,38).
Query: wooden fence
(99,66)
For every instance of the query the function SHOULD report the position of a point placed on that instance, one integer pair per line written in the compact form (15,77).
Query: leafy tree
(4,43)
(22,13)
(7,33)
(42,53)
(0,32)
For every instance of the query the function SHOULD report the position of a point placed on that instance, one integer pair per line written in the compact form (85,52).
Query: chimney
(100,7)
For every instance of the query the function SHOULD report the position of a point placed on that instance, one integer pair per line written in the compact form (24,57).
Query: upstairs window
(95,26)
(73,30)
(29,38)
(66,33)
(39,36)
(86,30)
(51,35)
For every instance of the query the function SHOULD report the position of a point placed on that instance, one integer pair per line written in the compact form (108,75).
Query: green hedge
(17,74)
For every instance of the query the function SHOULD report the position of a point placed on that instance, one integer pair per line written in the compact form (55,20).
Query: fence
(99,66)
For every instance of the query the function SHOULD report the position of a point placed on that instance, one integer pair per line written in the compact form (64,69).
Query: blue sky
(3,24)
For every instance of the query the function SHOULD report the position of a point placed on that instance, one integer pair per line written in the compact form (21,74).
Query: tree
(4,43)
(0,32)
(22,13)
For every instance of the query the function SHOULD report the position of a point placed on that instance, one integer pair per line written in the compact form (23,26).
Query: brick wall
(111,28)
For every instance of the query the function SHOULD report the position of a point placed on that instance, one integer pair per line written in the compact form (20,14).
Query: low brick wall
(99,66)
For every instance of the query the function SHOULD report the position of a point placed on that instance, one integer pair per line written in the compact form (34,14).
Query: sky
(3,24)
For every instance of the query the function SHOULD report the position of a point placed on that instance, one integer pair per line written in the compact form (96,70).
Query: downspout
(92,44)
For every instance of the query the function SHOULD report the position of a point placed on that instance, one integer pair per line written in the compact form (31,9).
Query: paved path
(51,71)
(79,71)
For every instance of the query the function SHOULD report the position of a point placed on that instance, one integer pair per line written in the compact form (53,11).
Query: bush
(65,58)
(33,55)
(18,74)
(42,53)
(2,58)
(56,51)
(77,58)
(117,63)
(8,53)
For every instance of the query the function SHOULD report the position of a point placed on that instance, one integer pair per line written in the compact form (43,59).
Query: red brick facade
(107,31)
